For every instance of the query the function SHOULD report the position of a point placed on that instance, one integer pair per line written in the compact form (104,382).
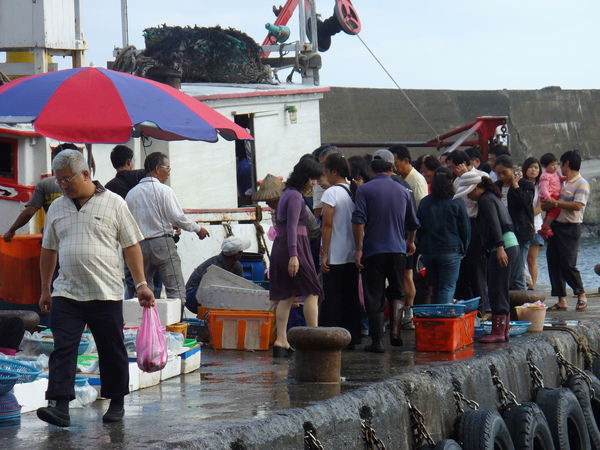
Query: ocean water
(589,256)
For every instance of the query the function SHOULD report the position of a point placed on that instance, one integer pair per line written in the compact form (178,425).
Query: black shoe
(54,417)
(375,347)
(113,416)
(280,352)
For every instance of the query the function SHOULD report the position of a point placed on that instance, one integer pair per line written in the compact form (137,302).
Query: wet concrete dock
(249,400)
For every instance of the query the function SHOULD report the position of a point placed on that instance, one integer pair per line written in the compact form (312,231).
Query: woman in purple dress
(292,271)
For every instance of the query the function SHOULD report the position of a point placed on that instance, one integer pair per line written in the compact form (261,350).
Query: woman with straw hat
(269,191)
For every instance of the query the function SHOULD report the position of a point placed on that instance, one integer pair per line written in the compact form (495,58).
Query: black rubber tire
(581,389)
(596,367)
(446,444)
(595,399)
(528,427)
(483,429)
(565,418)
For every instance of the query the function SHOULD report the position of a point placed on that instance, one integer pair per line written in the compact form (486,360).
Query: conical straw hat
(270,188)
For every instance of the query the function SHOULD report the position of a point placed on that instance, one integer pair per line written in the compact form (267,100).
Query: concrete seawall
(337,422)
(249,400)
(540,121)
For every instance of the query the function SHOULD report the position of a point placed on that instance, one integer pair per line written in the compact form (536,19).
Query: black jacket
(520,208)
(492,221)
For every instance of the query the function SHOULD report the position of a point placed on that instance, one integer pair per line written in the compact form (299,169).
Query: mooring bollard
(30,319)
(318,352)
(517,298)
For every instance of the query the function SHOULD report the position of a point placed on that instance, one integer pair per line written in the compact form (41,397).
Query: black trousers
(378,268)
(472,277)
(499,279)
(105,320)
(561,255)
(341,306)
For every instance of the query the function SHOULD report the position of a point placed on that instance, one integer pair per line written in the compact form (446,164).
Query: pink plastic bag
(361,292)
(151,342)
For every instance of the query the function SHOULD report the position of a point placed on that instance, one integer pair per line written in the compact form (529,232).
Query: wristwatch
(140,284)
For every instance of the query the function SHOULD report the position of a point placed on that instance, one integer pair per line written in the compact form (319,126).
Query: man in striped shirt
(564,245)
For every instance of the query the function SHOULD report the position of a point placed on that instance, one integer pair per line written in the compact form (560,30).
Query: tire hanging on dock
(446,444)
(565,418)
(528,427)
(596,367)
(483,429)
(578,384)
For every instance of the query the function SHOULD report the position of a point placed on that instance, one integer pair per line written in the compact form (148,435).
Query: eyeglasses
(65,181)
(167,168)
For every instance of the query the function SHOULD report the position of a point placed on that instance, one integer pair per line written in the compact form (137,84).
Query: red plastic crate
(444,335)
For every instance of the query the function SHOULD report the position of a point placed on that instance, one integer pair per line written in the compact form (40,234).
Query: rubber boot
(376,324)
(396,317)
(498,330)
(507,328)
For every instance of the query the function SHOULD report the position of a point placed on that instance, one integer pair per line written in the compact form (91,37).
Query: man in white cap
(229,259)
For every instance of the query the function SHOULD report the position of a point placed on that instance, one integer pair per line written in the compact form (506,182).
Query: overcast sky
(424,44)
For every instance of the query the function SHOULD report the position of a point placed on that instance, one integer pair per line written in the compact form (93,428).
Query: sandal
(558,307)
(581,305)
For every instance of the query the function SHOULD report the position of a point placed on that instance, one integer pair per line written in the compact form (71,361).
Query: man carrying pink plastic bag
(87,227)
(151,342)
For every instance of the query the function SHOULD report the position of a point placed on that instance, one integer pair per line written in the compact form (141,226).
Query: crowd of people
(474,225)
(350,237)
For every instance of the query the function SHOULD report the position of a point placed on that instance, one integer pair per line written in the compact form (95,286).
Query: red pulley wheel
(347,16)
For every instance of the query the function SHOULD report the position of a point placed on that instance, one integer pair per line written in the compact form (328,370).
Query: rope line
(398,86)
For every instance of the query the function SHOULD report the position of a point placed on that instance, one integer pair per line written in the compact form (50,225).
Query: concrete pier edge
(337,422)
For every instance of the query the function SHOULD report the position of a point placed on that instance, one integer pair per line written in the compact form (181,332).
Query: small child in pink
(549,187)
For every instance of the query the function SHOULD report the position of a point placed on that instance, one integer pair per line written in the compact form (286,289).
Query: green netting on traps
(207,54)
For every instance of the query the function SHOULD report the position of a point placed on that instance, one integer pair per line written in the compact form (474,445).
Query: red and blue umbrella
(100,106)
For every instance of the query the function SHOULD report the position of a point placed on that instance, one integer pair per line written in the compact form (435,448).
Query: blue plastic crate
(438,311)
(470,305)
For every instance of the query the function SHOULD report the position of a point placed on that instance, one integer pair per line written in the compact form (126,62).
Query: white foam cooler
(169,310)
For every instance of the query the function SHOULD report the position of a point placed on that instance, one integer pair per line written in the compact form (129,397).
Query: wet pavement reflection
(230,388)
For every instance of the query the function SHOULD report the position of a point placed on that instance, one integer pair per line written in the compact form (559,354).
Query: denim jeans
(518,282)
(442,269)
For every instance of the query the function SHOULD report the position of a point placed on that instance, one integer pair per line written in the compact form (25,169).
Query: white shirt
(538,221)
(89,244)
(418,184)
(504,191)
(341,247)
(156,209)
(317,196)
(470,204)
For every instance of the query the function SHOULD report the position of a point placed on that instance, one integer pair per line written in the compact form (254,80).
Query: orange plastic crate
(20,269)
(444,335)
(240,330)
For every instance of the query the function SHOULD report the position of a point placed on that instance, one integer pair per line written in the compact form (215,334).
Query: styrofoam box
(172,369)
(169,310)
(31,396)
(134,376)
(190,360)
(148,379)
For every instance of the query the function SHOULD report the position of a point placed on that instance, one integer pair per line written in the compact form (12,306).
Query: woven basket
(25,373)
